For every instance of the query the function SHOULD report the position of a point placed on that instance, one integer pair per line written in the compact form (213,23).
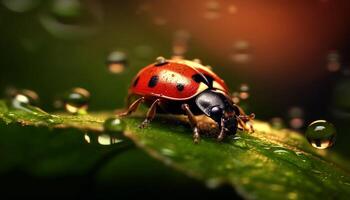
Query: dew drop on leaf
(24,97)
(114,124)
(105,139)
(76,101)
(321,134)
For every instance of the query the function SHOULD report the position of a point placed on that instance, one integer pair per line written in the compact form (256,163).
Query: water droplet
(117,62)
(22,98)
(72,19)
(321,134)
(296,117)
(316,171)
(168,152)
(241,52)
(76,101)
(333,59)
(244,87)
(87,138)
(114,124)
(180,43)
(243,95)
(20,5)
(296,123)
(277,123)
(241,144)
(232,9)
(281,151)
(105,139)
(160,61)
(235,97)
(212,9)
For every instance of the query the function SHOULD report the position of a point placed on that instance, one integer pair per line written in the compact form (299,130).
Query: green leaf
(268,164)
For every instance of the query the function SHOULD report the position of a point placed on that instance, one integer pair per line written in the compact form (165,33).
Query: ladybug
(188,88)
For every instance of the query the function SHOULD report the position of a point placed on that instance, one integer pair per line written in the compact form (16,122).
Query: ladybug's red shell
(176,80)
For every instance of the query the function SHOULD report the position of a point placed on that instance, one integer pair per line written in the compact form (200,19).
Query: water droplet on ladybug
(160,61)
(76,101)
(321,134)
(117,62)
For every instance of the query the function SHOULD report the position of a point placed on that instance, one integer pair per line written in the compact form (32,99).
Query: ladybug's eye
(216,112)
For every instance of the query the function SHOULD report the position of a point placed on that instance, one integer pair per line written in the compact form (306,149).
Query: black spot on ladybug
(180,87)
(136,81)
(210,79)
(198,78)
(153,81)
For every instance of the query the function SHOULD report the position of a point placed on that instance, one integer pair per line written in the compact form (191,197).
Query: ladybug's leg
(244,119)
(150,114)
(193,122)
(133,107)
(222,131)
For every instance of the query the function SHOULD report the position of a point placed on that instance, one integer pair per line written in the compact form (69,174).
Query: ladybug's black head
(220,108)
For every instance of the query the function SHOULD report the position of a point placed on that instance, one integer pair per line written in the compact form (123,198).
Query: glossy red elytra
(189,88)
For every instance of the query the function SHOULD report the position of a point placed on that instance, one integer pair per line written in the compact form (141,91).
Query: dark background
(289,43)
